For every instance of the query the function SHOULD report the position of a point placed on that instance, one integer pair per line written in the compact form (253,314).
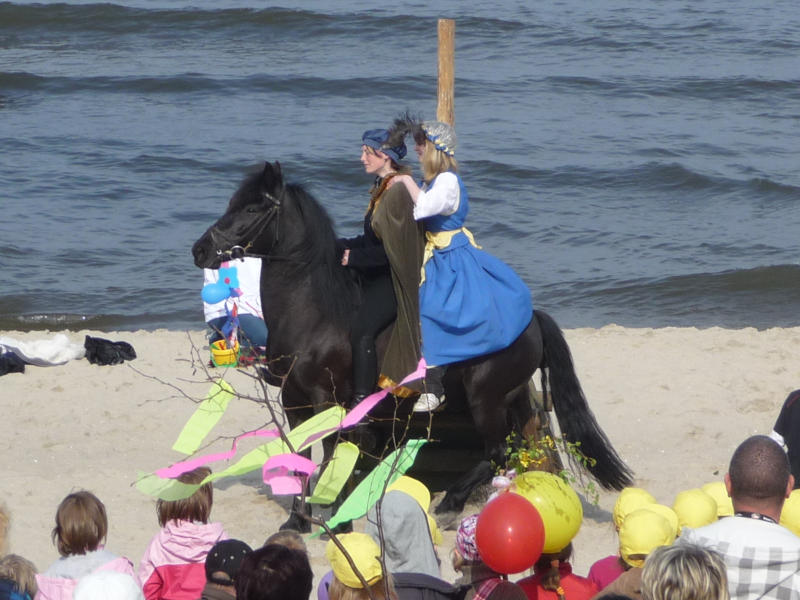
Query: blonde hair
(684,572)
(377,591)
(196,507)
(21,571)
(434,162)
(81,524)
(5,519)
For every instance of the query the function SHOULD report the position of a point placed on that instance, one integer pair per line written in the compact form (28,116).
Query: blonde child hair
(684,572)
(5,519)
(196,507)
(376,591)
(21,571)
(81,524)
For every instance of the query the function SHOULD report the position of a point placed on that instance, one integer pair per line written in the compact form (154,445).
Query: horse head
(251,224)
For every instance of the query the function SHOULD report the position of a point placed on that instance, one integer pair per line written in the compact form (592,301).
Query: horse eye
(252,209)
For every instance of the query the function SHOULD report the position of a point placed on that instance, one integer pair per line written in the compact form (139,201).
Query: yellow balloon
(790,515)
(557,503)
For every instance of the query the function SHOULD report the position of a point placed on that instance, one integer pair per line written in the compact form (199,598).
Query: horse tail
(576,420)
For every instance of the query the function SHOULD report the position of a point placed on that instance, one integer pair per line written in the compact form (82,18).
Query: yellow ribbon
(438,240)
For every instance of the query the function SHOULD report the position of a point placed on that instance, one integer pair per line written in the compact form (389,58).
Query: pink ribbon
(180,468)
(360,410)
(275,471)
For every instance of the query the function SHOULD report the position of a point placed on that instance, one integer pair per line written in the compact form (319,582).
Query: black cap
(226,557)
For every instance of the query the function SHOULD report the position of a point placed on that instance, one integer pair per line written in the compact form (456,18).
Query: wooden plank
(445,110)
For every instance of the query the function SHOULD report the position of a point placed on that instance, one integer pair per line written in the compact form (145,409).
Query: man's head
(759,478)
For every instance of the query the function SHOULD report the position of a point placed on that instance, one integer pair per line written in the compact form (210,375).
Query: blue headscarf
(377,138)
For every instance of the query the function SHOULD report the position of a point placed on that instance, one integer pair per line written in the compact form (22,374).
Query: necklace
(755,515)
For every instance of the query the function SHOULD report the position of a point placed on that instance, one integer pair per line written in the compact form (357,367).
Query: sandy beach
(675,402)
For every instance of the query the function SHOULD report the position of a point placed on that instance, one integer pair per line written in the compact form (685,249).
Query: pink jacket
(605,571)
(59,581)
(173,566)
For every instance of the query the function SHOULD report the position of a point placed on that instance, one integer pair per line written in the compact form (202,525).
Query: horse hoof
(296,523)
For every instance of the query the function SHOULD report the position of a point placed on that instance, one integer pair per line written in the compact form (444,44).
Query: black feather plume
(404,125)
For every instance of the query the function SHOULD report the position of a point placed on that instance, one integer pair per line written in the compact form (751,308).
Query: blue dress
(471,303)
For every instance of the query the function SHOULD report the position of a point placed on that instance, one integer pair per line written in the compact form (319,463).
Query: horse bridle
(251,234)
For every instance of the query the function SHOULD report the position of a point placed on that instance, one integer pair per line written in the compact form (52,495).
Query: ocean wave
(645,178)
(116,18)
(283,22)
(191,83)
(178,321)
(720,88)
(760,297)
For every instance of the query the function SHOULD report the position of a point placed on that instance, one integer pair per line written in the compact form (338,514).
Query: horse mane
(333,288)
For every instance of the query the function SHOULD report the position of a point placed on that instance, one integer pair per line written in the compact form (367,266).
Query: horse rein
(258,227)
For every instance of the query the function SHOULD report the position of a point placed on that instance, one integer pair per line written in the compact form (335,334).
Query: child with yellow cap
(365,554)
(641,532)
(606,570)
(695,508)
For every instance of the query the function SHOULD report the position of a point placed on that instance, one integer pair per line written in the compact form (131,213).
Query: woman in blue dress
(471,303)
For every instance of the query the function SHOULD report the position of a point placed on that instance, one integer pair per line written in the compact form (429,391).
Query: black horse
(308,300)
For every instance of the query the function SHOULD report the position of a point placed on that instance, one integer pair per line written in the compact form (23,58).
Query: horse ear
(272,178)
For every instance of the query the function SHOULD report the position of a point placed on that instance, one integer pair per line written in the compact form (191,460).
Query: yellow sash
(438,240)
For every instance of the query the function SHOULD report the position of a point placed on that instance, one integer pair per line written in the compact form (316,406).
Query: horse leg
(300,514)
(490,416)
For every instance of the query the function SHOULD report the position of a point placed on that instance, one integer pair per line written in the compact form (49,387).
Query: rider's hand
(395,179)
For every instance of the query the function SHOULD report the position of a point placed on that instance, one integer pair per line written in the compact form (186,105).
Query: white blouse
(441,199)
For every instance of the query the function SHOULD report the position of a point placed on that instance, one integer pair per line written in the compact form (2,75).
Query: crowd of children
(191,557)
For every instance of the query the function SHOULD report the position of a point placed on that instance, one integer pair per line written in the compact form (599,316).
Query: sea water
(635,162)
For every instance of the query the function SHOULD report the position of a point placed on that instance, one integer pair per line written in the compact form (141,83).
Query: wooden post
(445,110)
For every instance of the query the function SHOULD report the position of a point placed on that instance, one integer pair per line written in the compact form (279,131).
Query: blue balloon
(215,292)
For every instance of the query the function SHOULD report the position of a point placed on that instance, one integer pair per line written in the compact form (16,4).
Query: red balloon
(509,534)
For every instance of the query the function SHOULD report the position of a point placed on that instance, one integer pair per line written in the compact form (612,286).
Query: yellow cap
(641,532)
(717,490)
(790,515)
(695,508)
(419,492)
(365,554)
(630,499)
(669,514)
